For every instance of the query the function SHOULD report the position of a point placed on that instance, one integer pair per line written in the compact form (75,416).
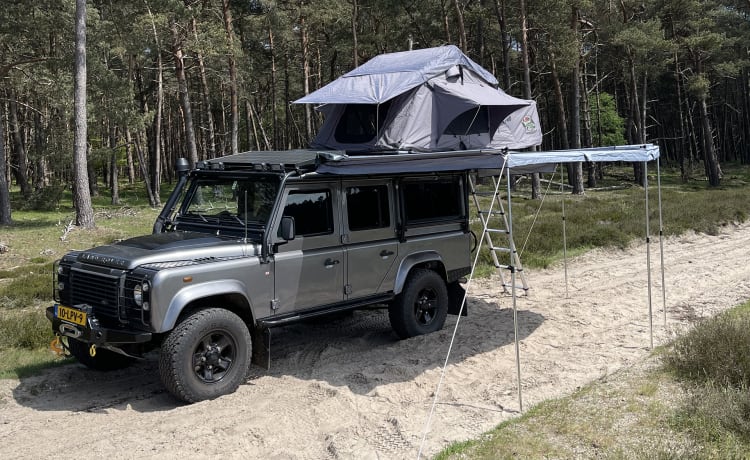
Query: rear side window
(312,211)
(433,200)
(367,207)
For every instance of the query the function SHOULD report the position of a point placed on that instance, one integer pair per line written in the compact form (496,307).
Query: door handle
(386,253)
(329,263)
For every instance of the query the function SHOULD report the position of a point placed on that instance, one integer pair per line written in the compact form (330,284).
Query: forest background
(203,79)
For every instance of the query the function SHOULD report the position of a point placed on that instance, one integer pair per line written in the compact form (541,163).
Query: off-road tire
(422,305)
(103,359)
(206,356)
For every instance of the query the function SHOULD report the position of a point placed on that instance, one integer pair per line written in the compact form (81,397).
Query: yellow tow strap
(56,346)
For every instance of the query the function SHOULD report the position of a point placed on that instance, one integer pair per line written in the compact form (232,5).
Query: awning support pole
(513,290)
(564,228)
(648,257)
(661,243)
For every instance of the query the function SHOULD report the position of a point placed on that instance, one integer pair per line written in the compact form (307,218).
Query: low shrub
(28,329)
(44,199)
(716,351)
(27,285)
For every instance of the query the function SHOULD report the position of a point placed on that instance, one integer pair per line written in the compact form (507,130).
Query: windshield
(229,202)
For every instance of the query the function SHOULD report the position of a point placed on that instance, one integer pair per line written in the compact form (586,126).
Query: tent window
(360,122)
(473,121)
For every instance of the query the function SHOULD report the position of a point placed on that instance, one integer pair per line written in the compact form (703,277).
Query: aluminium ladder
(495,222)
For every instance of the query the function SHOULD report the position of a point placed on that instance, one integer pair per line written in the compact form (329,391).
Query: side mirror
(286,230)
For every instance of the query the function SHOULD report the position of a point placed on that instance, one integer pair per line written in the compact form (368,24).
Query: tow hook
(92,350)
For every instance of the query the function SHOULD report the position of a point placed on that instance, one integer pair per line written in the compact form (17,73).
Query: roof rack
(281,161)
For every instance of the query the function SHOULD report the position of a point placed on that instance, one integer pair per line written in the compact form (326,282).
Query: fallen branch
(68,228)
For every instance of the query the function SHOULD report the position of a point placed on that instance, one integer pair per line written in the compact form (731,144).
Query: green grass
(690,401)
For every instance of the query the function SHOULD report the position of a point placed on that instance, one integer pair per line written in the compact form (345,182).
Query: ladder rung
(486,193)
(492,213)
(500,249)
(497,230)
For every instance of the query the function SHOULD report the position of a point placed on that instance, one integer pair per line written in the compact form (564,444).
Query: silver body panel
(341,260)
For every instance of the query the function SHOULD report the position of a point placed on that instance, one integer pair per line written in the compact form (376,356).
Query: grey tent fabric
(427,100)
(388,75)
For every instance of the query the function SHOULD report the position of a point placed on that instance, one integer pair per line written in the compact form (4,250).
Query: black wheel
(207,355)
(103,359)
(421,307)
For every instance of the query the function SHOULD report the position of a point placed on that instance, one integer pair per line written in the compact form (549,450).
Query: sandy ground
(349,389)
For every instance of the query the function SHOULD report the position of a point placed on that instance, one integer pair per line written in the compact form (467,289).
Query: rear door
(369,234)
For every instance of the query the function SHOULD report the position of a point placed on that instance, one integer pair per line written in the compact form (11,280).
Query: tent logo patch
(528,124)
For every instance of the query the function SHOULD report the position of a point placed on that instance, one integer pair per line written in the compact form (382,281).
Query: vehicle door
(369,234)
(309,270)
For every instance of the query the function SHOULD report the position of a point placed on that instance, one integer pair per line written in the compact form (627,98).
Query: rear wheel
(206,356)
(103,359)
(421,307)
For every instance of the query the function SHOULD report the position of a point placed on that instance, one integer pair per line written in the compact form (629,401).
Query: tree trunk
(527,91)
(5,211)
(141,162)
(446,27)
(504,37)
(81,195)
(461,29)
(187,113)
(576,169)
(274,113)
(713,170)
(233,101)
(114,183)
(156,153)
(355,44)
(587,136)
(153,187)
(562,123)
(744,90)
(251,125)
(305,47)
(19,159)
(635,113)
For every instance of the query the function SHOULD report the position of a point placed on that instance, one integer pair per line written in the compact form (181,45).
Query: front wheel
(206,356)
(421,307)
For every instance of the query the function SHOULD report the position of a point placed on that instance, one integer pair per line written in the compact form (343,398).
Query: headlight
(60,286)
(138,295)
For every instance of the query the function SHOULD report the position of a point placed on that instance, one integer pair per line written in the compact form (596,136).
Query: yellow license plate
(71,315)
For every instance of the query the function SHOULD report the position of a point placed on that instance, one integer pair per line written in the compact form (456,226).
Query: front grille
(101,291)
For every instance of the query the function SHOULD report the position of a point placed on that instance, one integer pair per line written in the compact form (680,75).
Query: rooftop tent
(433,99)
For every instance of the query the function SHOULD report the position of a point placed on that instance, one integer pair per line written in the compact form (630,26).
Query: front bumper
(94,332)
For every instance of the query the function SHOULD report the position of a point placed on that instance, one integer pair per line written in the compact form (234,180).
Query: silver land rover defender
(258,240)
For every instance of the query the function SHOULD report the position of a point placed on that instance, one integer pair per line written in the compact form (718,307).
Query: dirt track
(349,389)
